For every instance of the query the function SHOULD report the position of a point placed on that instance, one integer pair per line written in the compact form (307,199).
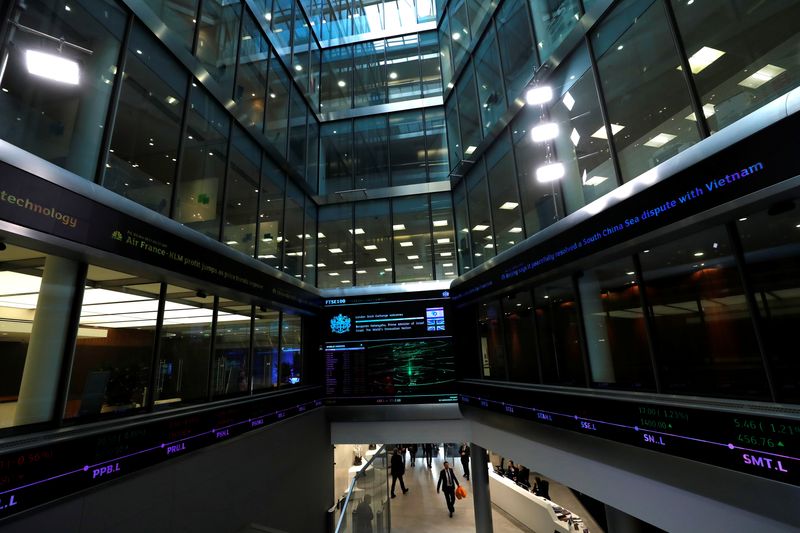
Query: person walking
(448,482)
(362,517)
(427,453)
(398,468)
(464,451)
(412,452)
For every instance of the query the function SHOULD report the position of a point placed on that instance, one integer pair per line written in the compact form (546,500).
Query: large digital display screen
(760,445)
(388,350)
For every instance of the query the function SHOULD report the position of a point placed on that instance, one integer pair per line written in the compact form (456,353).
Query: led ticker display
(763,446)
(388,351)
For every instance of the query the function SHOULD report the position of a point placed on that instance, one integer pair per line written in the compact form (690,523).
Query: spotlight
(551,172)
(539,95)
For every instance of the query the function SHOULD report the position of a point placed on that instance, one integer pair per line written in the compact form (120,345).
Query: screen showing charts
(388,351)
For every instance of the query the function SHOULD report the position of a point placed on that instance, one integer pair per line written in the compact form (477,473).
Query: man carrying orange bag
(448,481)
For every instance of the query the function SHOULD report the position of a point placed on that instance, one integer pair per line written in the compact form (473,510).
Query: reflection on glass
(312,153)
(412,239)
(407,148)
(552,21)
(453,131)
(294,235)
(772,256)
(443,236)
(177,15)
(436,144)
(60,121)
(297,132)
(310,256)
(429,64)
(144,146)
(337,78)
(277,106)
(400,14)
(230,365)
(185,348)
(445,51)
(370,73)
(251,76)
(462,228)
(734,75)
(373,249)
(241,199)
(558,334)
(266,334)
(371,152)
(460,36)
(519,327)
(335,246)
(703,333)
(403,68)
(270,215)
(300,50)
(645,93)
(217,39)
(491,94)
(479,12)
(335,157)
(291,353)
(480,221)
(468,113)
(506,209)
(203,171)
(493,353)
(619,356)
(517,50)
(281,23)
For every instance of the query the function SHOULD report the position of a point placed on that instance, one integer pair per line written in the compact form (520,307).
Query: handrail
(353,486)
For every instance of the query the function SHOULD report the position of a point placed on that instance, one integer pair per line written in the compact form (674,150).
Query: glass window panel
(203,170)
(589,172)
(453,131)
(277,106)
(312,153)
(297,132)
(736,75)
(460,37)
(62,121)
(443,235)
(370,73)
(519,327)
(557,330)
(294,235)
(371,152)
(772,255)
(336,157)
(400,14)
(479,12)
(469,116)
(291,352)
(426,11)
(300,49)
(619,357)
(185,348)
(266,333)
(493,353)
(645,93)
(373,244)
(230,366)
(281,22)
(541,202)
(407,148)
(552,21)
(506,209)
(445,52)
(314,67)
(114,349)
(403,68)
(144,145)
(517,50)
(251,77)
(436,144)
(310,257)
(411,228)
(270,216)
(179,16)
(337,79)
(241,200)
(335,245)
(703,333)
(462,228)
(491,94)
(217,39)
(480,221)
(429,64)
(367,16)
(336,20)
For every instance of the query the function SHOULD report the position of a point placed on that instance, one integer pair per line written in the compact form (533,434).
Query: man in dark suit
(542,488)
(398,468)
(427,453)
(448,481)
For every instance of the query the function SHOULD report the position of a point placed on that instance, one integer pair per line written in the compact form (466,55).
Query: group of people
(521,475)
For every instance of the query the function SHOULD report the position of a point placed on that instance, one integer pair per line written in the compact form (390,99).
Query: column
(481,499)
(39,387)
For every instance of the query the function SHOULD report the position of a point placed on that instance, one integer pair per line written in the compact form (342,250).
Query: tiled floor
(421,510)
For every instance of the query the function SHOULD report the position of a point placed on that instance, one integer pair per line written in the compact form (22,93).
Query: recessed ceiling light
(660,140)
(361,271)
(470,150)
(448,254)
(357,231)
(478,254)
(703,58)
(370,247)
(387,269)
(449,273)
(418,267)
(393,75)
(399,227)
(601,133)
(413,257)
(298,68)
(380,259)
(762,76)
(348,262)
(509,206)
(480,227)
(320,235)
(333,273)
(267,256)
(490,245)
(443,241)
(335,250)
(630,273)
(698,254)
(231,243)
(742,219)
(439,223)
(406,244)
(551,172)
(708,111)
(447,265)
(344,281)
(515,229)
(341,83)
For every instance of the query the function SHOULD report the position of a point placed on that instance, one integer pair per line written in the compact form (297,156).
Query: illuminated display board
(391,349)
(37,474)
(763,446)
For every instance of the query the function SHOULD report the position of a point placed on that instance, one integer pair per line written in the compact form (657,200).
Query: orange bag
(461,492)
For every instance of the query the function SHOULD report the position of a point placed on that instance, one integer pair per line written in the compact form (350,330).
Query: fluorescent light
(393,75)
(333,273)
(344,281)
(52,67)
(357,231)
(387,269)
(439,223)
(659,140)
(335,250)
(231,243)
(413,257)
(490,245)
(399,227)
(703,58)
(762,76)
(539,95)
(449,273)
(321,265)
(320,235)
(569,101)
(601,133)
(298,68)
(406,244)
(551,172)
(380,259)
(443,241)
(544,132)
(341,83)
(361,271)
(575,137)
(456,36)
(698,254)
(370,247)
(171,100)
(480,227)
(470,150)
(515,229)
(509,206)
(447,265)
(708,110)
(418,267)
(446,254)
(348,262)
